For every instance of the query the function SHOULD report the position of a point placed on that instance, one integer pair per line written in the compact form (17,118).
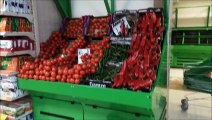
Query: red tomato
(31,72)
(70,71)
(21,71)
(36,60)
(60,71)
(76,71)
(76,76)
(47,68)
(82,73)
(53,74)
(40,77)
(63,80)
(84,66)
(54,69)
(40,67)
(64,76)
(26,76)
(95,65)
(77,81)
(35,77)
(72,80)
(52,78)
(58,77)
(48,63)
(47,74)
(32,66)
(43,78)
(65,71)
(30,76)
(93,70)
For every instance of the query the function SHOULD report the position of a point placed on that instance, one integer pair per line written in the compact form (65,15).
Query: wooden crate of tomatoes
(99,26)
(74,27)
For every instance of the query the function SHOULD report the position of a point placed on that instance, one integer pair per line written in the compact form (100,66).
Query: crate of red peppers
(99,26)
(139,70)
(124,25)
(159,15)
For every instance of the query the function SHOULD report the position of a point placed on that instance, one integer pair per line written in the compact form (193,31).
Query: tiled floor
(198,109)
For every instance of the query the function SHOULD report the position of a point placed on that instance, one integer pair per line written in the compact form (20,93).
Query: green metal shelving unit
(191,44)
(59,101)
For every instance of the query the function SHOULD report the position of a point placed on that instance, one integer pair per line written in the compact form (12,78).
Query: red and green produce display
(130,65)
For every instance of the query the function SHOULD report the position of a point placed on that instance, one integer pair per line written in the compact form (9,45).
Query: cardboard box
(16,108)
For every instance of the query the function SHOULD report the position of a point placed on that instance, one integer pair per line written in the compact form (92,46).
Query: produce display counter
(70,101)
(60,100)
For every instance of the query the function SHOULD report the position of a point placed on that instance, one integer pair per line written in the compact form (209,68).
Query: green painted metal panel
(64,7)
(186,54)
(98,113)
(191,28)
(48,109)
(88,94)
(107,6)
(113,6)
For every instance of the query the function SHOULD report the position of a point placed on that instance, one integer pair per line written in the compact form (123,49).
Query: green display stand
(70,101)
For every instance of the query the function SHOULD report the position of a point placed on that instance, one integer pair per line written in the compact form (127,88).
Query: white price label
(6,44)
(117,25)
(81,52)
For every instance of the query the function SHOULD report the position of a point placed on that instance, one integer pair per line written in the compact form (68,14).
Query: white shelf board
(14,14)
(28,34)
(29,52)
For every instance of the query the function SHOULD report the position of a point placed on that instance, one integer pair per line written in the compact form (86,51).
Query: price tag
(6,44)
(117,25)
(3,116)
(81,52)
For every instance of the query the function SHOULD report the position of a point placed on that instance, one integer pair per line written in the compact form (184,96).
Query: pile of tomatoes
(50,48)
(99,27)
(63,67)
(74,28)
(90,62)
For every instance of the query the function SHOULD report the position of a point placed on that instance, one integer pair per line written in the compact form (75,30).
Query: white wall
(192,17)
(97,7)
(49,18)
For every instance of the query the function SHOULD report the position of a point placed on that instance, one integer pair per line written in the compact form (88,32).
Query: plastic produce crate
(199,76)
